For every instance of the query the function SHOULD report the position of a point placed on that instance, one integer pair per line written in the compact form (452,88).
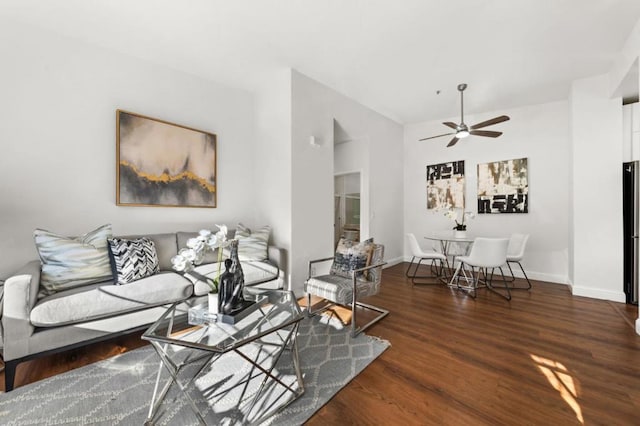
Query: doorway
(347,217)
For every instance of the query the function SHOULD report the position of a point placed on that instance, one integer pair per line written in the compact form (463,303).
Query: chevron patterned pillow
(132,260)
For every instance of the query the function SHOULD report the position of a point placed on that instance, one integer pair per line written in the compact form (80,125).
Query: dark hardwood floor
(545,358)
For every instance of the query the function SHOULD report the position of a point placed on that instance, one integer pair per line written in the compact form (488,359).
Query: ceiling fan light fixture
(462,130)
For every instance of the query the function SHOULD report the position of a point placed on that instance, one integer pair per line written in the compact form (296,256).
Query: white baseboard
(638,326)
(543,276)
(538,276)
(596,293)
(394,261)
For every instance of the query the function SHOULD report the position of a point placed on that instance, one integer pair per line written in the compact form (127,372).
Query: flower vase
(213,303)
(460,234)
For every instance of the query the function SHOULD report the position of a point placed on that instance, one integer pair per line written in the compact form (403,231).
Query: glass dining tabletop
(450,235)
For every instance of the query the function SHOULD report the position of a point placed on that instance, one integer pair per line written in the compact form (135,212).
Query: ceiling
(390,55)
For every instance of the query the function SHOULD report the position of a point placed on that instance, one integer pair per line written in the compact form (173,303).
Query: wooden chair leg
(9,374)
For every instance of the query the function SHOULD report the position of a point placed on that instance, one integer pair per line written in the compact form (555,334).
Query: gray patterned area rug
(117,391)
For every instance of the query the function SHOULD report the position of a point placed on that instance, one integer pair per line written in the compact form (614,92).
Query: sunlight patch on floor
(332,319)
(560,379)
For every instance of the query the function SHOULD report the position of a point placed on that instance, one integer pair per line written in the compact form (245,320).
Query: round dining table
(450,239)
(446,237)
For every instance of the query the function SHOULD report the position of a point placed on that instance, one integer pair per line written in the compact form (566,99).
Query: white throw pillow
(252,245)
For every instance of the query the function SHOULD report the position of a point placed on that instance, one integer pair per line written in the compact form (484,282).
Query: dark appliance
(630,182)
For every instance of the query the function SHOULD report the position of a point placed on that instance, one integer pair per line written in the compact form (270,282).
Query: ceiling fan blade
(490,122)
(453,142)
(454,126)
(432,137)
(487,133)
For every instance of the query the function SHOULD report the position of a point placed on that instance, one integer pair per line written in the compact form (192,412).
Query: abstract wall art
(163,164)
(445,186)
(503,187)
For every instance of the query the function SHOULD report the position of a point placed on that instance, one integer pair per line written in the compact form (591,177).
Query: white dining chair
(434,257)
(486,254)
(515,253)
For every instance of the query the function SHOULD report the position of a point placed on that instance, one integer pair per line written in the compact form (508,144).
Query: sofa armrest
(278,256)
(20,295)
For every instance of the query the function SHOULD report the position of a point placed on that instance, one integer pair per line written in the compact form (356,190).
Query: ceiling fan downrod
(463,130)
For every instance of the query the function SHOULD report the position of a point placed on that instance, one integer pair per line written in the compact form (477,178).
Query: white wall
(57,133)
(631,132)
(273,157)
(314,107)
(539,133)
(596,138)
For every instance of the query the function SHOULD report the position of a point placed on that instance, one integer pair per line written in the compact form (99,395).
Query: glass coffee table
(189,351)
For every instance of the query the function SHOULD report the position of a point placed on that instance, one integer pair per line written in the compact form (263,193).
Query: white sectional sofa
(34,326)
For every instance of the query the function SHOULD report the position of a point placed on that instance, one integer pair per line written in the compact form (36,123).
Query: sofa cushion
(338,289)
(69,262)
(254,272)
(252,245)
(351,255)
(166,247)
(107,299)
(132,260)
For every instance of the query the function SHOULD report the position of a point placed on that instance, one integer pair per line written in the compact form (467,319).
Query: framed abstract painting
(445,185)
(164,164)
(503,187)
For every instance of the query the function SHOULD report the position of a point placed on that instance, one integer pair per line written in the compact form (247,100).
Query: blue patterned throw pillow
(69,262)
(132,260)
(351,255)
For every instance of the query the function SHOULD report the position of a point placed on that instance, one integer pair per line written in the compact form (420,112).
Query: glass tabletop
(274,310)
(449,235)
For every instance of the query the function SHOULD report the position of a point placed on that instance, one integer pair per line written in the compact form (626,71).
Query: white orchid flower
(179,263)
(189,254)
(222,233)
(213,241)
(196,248)
(195,244)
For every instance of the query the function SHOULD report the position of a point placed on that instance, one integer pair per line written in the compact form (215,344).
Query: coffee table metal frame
(172,327)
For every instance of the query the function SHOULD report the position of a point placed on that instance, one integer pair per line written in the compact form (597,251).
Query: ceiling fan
(462,130)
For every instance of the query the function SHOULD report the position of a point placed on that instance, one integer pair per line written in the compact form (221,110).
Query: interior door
(337,221)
